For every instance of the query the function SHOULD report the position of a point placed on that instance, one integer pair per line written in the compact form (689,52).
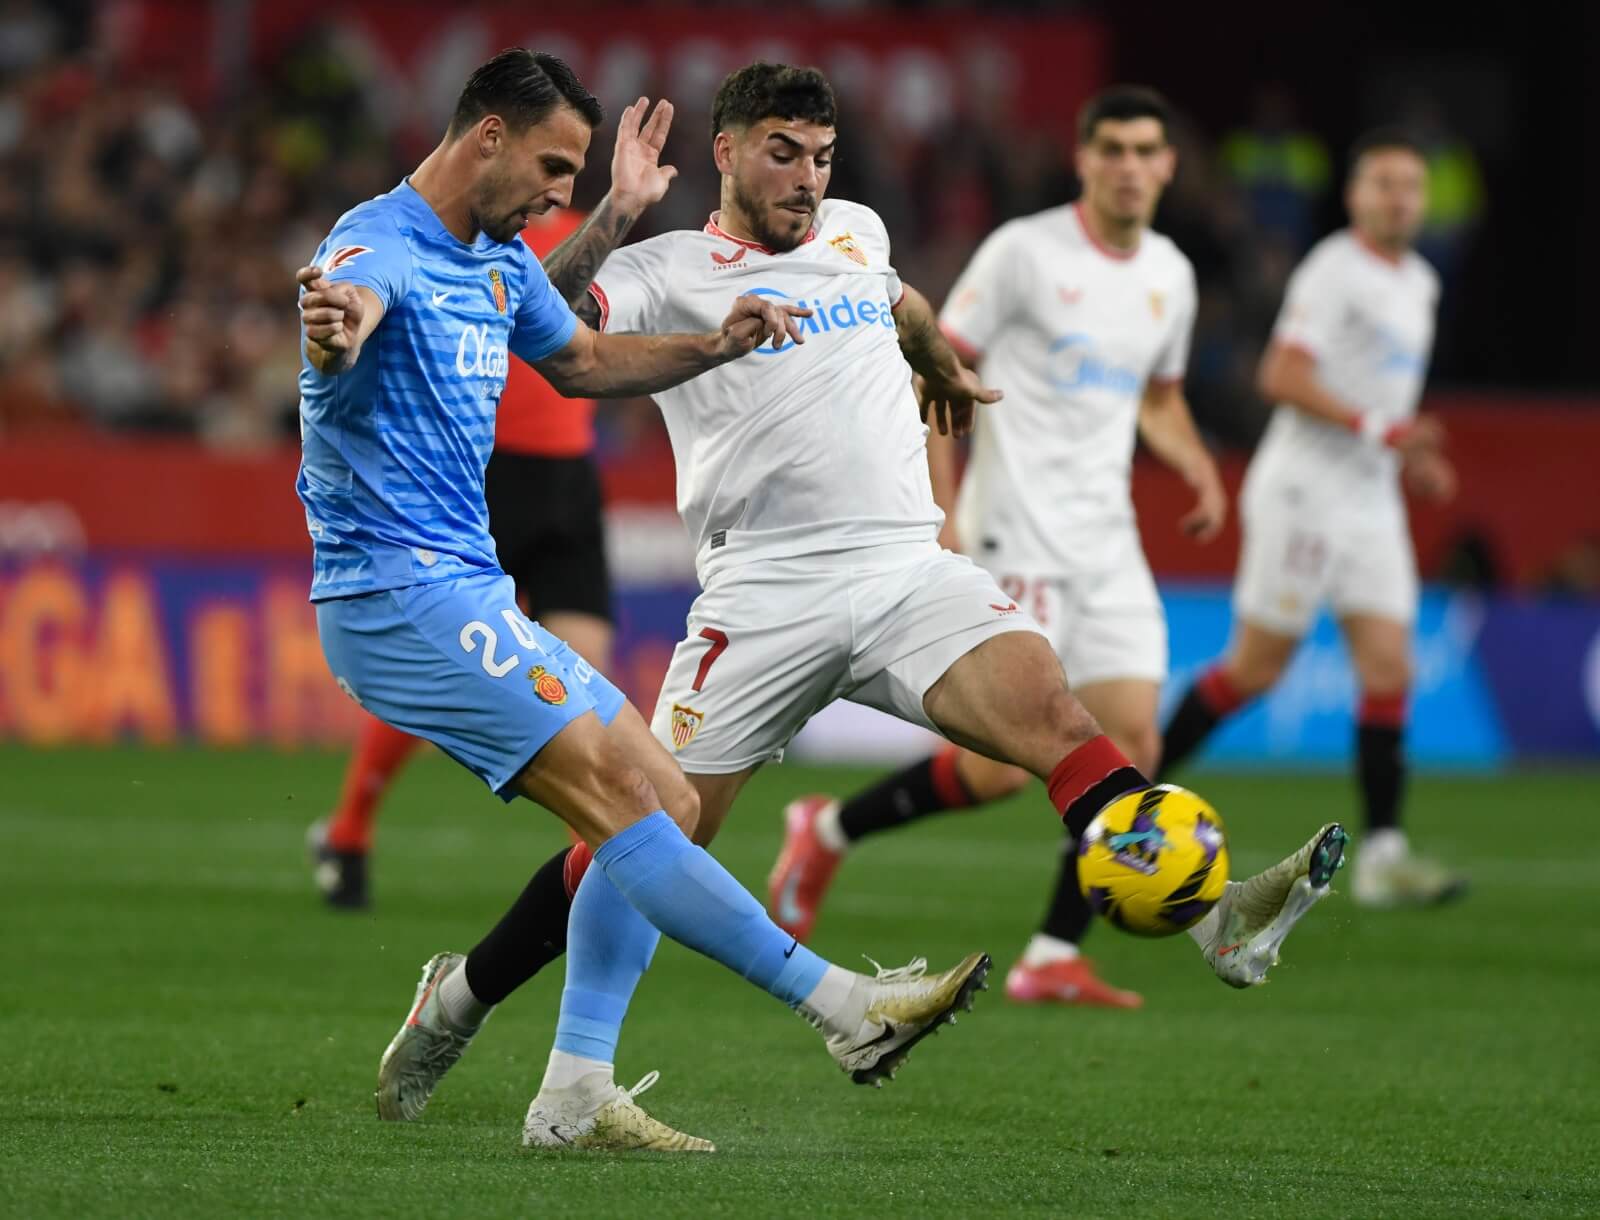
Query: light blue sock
(609,947)
(683,891)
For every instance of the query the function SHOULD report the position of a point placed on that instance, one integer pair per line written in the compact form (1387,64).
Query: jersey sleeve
(979,303)
(544,323)
(1173,362)
(368,250)
(629,288)
(1313,307)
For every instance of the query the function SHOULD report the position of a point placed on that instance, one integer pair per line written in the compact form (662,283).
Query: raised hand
(637,180)
(330,314)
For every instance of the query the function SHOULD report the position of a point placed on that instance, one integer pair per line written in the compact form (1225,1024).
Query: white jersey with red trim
(1072,331)
(1367,320)
(814,447)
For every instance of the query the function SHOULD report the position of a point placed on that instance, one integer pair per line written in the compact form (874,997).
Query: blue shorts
(456,663)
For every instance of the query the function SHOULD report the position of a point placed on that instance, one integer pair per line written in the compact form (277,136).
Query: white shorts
(772,642)
(1295,557)
(1105,625)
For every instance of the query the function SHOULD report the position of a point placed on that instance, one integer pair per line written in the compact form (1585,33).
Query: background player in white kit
(1082,316)
(804,485)
(1323,514)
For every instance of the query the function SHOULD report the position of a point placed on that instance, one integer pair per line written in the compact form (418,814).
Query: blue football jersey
(393,450)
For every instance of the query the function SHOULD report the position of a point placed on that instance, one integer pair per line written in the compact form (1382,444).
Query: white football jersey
(814,447)
(1072,331)
(1368,322)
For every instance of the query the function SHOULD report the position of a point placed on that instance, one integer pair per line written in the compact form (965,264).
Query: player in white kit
(803,481)
(1322,507)
(1082,315)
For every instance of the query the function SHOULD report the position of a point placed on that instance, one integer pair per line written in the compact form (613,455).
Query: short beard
(755,216)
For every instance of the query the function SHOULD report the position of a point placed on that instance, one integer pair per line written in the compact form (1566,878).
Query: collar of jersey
(427,221)
(716,230)
(1111,252)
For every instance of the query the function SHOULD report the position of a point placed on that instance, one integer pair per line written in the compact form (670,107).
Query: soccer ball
(1154,862)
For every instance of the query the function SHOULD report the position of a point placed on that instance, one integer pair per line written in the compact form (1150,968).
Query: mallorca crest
(686,723)
(845,244)
(499,287)
(1158,305)
(547,686)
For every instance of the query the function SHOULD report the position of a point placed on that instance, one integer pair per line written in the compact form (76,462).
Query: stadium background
(189,1032)
(166,164)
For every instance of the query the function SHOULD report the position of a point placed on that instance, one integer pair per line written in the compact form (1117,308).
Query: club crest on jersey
(1158,305)
(547,686)
(686,723)
(845,244)
(498,285)
(345,254)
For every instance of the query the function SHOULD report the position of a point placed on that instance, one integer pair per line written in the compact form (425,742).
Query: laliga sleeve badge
(547,686)
(686,723)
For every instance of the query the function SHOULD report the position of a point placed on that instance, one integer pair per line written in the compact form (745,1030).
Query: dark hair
(1120,103)
(1383,139)
(523,87)
(765,91)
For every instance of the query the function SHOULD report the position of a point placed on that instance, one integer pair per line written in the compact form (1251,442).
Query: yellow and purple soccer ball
(1154,862)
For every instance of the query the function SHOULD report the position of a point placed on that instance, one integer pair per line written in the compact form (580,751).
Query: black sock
(929,786)
(1381,768)
(1190,725)
(531,935)
(1069,915)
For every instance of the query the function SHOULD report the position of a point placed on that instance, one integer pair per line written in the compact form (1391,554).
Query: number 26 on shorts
(478,630)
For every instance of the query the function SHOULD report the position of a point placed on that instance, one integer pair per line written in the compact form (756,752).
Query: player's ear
(722,152)
(490,134)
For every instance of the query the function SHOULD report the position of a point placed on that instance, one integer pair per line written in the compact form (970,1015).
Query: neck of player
(446,189)
(1120,235)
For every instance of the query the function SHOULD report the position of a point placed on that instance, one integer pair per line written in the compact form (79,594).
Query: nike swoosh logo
(438,297)
(1227,949)
(789,952)
(889,1032)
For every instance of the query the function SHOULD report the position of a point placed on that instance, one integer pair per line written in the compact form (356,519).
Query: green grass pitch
(187,1032)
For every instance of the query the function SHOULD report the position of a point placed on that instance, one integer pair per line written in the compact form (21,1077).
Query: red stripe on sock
(947,785)
(578,859)
(380,752)
(1384,711)
(1083,769)
(1218,691)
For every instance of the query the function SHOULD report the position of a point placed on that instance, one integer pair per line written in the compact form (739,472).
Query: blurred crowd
(147,251)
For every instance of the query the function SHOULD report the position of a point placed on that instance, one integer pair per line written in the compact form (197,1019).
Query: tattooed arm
(637,181)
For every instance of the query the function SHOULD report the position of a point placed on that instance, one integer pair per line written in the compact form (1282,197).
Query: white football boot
(426,1047)
(1386,875)
(1240,936)
(603,1117)
(899,1008)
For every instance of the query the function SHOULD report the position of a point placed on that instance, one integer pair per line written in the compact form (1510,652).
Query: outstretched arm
(1167,427)
(637,181)
(949,389)
(594,365)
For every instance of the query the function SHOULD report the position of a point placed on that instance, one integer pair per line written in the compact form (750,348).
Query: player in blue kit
(410,310)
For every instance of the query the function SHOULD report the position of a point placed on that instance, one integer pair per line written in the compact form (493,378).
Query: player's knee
(682,804)
(1386,676)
